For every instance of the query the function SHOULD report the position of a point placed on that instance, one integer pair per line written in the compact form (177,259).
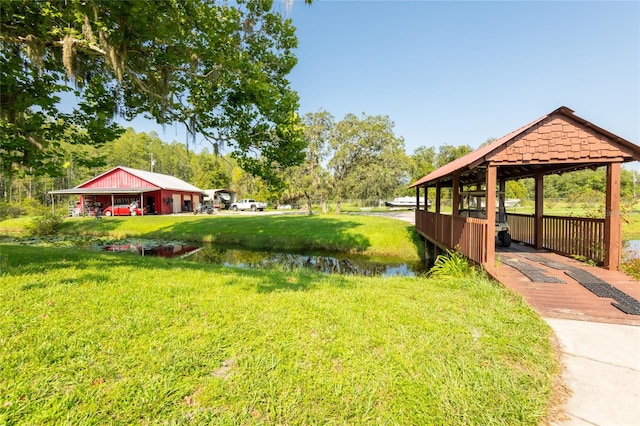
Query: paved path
(602,371)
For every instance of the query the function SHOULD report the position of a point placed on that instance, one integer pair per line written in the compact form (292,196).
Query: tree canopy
(354,158)
(217,67)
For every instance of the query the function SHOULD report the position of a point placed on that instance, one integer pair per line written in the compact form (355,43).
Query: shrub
(10,210)
(45,225)
(26,207)
(632,267)
(452,265)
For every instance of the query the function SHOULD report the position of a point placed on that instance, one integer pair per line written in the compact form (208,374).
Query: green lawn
(103,338)
(367,235)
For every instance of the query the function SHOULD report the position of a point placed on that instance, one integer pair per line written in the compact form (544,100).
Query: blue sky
(462,72)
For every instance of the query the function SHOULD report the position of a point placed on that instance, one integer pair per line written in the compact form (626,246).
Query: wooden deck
(569,300)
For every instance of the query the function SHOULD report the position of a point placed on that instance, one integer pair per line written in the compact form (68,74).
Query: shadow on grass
(51,266)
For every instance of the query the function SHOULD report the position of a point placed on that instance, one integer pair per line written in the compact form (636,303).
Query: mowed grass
(102,338)
(367,235)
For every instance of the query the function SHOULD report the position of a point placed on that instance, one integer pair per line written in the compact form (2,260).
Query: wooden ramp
(560,287)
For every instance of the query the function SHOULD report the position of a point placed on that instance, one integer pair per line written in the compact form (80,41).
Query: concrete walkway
(602,371)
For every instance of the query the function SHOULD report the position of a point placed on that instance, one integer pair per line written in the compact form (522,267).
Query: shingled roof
(554,143)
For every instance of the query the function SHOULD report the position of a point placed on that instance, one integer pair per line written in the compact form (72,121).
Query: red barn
(158,193)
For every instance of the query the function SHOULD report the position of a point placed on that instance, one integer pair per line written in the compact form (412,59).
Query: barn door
(177,203)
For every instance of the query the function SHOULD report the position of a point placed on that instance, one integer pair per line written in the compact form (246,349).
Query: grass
(367,235)
(102,338)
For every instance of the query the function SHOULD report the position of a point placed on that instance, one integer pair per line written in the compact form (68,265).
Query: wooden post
(502,212)
(612,238)
(438,223)
(416,213)
(538,222)
(455,195)
(490,199)
(455,207)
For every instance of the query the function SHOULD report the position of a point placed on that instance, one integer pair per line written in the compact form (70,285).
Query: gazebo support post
(455,207)
(612,230)
(455,195)
(502,210)
(538,224)
(438,224)
(490,240)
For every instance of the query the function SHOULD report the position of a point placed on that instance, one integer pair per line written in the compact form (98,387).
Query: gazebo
(556,143)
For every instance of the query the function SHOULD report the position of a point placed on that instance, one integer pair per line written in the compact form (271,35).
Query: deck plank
(566,301)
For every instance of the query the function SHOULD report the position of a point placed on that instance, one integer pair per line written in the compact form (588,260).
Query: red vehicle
(122,210)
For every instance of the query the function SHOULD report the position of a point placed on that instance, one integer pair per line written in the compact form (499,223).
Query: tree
(366,157)
(218,68)
(310,179)
(132,149)
(210,171)
(448,153)
(422,162)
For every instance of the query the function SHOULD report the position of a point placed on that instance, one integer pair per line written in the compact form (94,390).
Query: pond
(333,263)
(630,249)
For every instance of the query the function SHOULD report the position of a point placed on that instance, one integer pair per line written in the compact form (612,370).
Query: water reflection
(322,262)
(168,250)
(333,264)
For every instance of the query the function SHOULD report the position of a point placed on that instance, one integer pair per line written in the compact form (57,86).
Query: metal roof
(161,180)
(471,166)
(155,180)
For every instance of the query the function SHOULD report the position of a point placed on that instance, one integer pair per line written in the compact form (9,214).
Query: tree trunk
(338,205)
(306,195)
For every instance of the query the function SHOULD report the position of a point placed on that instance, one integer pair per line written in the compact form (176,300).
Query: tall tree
(310,179)
(219,68)
(210,171)
(423,162)
(365,152)
(447,153)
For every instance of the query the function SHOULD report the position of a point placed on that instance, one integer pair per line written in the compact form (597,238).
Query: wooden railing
(467,236)
(574,236)
(522,227)
(571,236)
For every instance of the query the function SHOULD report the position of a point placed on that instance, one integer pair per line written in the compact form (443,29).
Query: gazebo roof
(554,143)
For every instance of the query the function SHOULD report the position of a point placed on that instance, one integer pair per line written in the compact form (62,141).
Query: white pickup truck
(248,204)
